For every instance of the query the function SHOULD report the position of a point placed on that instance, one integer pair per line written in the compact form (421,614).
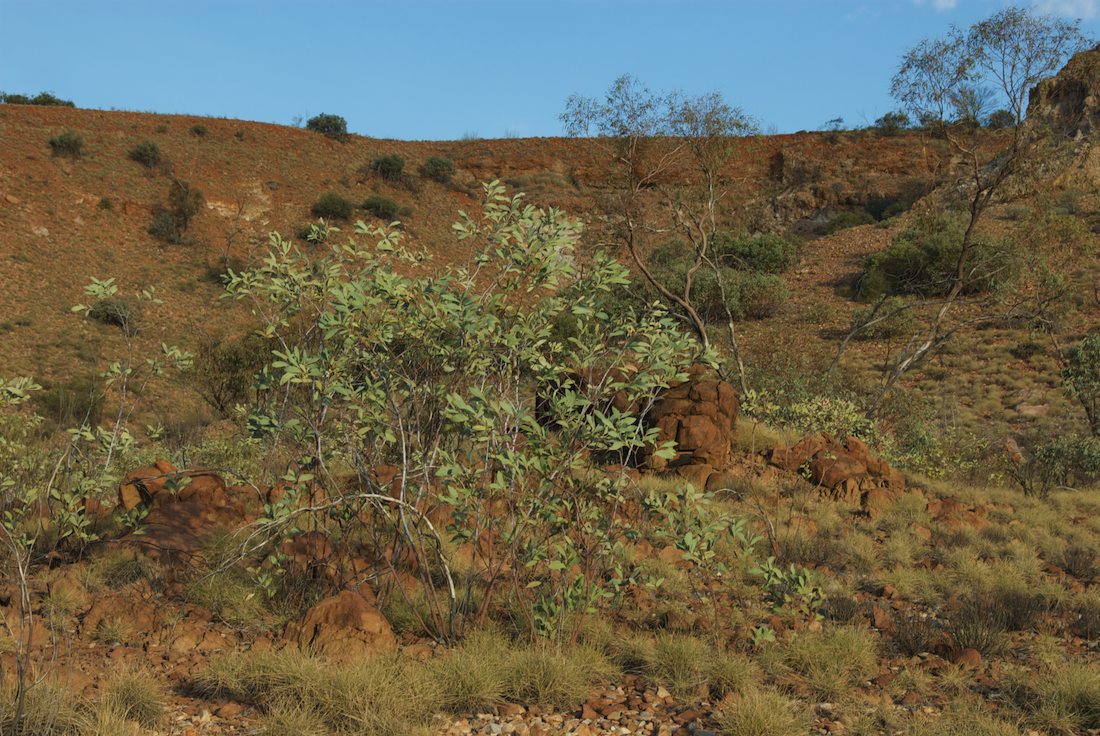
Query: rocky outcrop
(848,471)
(699,415)
(1069,103)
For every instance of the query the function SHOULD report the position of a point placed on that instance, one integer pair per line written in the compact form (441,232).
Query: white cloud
(940,5)
(1083,9)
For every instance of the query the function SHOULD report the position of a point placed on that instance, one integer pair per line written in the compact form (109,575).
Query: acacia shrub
(42,98)
(389,167)
(332,206)
(431,369)
(327,124)
(922,260)
(766,253)
(146,153)
(724,291)
(438,169)
(382,207)
(67,143)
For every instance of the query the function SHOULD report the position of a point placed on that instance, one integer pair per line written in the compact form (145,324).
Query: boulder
(184,508)
(140,485)
(345,627)
(847,471)
(699,415)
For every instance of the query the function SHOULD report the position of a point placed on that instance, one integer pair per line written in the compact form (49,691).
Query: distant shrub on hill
(68,144)
(923,260)
(892,123)
(198,130)
(1000,119)
(333,126)
(146,153)
(382,207)
(116,312)
(764,253)
(184,203)
(746,294)
(845,220)
(332,206)
(42,98)
(388,167)
(438,169)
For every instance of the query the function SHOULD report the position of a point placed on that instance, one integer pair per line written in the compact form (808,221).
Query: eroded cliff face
(1068,104)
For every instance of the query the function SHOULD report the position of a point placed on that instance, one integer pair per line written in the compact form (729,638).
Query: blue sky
(441,69)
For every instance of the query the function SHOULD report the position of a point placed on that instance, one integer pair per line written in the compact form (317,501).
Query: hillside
(451,507)
(66,221)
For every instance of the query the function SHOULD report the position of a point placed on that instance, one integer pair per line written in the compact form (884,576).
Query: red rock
(142,484)
(344,627)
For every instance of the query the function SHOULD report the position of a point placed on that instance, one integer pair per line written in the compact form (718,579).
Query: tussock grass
(234,598)
(383,695)
(827,663)
(136,695)
(1064,699)
(765,713)
(472,676)
(967,721)
(681,664)
(119,567)
(49,709)
(543,676)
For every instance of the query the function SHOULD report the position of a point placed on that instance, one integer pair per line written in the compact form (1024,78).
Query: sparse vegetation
(438,169)
(147,154)
(68,144)
(42,98)
(381,207)
(327,124)
(388,168)
(726,476)
(332,206)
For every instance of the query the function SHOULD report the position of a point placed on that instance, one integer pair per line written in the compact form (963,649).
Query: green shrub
(764,253)
(1000,119)
(388,167)
(892,123)
(845,220)
(923,260)
(198,130)
(68,144)
(438,169)
(146,153)
(382,207)
(1067,461)
(745,294)
(164,227)
(42,98)
(117,312)
(332,126)
(332,206)
(184,203)
(224,369)
(1081,377)
(891,317)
